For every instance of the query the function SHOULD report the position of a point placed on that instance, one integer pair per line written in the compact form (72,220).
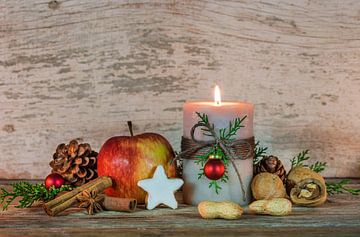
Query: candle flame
(217,97)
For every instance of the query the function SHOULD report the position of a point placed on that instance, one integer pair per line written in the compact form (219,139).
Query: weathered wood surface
(82,68)
(340,216)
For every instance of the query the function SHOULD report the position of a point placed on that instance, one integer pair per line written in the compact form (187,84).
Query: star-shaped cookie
(160,189)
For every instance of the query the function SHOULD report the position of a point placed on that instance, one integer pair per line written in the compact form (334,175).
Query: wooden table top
(340,216)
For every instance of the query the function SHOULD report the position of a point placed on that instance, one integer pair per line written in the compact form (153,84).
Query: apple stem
(130,128)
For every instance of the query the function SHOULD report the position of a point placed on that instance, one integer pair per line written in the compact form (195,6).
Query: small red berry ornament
(214,168)
(54,179)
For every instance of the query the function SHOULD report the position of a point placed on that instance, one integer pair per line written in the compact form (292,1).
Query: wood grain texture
(80,68)
(338,217)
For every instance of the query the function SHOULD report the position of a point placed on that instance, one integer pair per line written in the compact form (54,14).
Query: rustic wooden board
(338,217)
(82,68)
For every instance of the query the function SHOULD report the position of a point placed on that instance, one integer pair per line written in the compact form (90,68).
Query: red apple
(128,159)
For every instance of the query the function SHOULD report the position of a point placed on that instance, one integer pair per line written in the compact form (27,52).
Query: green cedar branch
(339,187)
(205,119)
(318,166)
(259,152)
(300,158)
(234,126)
(214,184)
(29,194)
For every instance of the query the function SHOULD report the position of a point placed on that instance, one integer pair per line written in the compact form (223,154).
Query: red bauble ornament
(54,179)
(214,168)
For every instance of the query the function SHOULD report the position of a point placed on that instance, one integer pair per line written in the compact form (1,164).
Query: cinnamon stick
(119,204)
(67,200)
(68,195)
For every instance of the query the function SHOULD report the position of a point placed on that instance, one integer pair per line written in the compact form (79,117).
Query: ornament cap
(214,156)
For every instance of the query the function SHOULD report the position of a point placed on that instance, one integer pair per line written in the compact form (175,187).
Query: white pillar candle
(220,114)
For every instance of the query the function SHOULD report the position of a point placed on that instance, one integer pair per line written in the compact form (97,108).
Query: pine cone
(77,163)
(270,164)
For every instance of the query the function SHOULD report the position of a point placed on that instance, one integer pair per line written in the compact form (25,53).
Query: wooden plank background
(82,68)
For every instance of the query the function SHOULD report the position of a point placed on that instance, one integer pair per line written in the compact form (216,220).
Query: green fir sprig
(339,187)
(300,158)
(205,119)
(318,166)
(230,132)
(259,152)
(225,134)
(29,193)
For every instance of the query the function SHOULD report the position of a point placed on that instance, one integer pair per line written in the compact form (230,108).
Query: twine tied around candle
(234,149)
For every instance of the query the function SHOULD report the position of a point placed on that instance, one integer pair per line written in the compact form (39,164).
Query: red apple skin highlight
(128,159)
